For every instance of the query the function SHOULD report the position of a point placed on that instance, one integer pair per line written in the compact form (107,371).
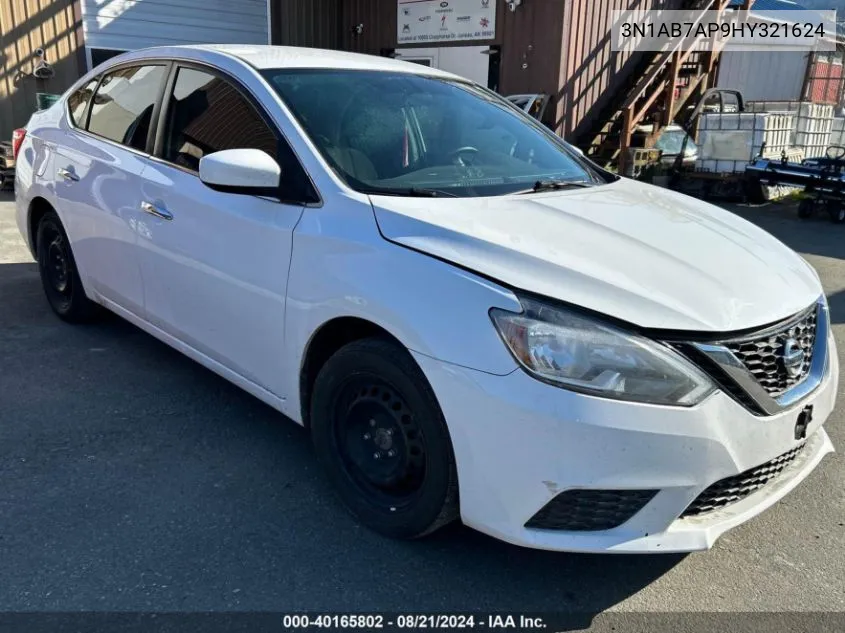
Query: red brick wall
(825,82)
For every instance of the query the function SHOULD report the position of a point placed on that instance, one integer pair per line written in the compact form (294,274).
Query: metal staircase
(662,84)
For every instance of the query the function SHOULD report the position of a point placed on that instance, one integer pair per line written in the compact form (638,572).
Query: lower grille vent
(590,510)
(732,489)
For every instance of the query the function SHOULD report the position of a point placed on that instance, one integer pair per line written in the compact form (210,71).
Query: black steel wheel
(837,213)
(379,433)
(805,209)
(59,276)
(379,440)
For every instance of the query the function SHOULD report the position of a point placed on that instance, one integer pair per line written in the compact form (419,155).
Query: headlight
(579,353)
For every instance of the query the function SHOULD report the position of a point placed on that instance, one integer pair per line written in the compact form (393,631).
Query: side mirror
(244,171)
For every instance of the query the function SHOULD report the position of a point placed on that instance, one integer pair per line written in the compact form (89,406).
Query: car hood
(649,256)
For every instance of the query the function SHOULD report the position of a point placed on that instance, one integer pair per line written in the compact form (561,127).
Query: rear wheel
(805,209)
(379,433)
(59,276)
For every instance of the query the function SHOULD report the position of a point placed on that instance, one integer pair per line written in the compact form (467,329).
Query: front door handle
(68,175)
(164,214)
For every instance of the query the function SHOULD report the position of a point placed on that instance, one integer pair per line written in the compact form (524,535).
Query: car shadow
(836,301)
(813,236)
(187,479)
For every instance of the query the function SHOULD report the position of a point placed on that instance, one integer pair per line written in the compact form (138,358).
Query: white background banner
(424,21)
(754,30)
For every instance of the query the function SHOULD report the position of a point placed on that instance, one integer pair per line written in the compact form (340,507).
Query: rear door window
(122,109)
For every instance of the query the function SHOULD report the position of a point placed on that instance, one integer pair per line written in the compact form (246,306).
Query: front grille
(590,510)
(732,489)
(763,356)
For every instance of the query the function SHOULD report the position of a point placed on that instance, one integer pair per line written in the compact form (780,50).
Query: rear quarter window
(122,108)
(77,103)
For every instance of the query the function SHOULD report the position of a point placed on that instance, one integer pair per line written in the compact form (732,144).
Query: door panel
(100,199)
(424,56)
(215,274)
(98,180)
(471,62)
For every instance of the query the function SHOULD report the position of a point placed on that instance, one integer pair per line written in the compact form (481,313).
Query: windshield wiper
(410,192)
(557,185)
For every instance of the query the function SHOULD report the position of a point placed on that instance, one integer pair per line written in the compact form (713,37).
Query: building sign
(423,21)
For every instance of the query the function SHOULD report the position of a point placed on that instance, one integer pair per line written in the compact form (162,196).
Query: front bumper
(518,443)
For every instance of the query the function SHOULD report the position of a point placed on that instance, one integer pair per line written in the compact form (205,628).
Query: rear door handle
(68,175)
(164,214)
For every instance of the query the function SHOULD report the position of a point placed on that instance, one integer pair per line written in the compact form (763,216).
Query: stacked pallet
(814,126)
(837,131)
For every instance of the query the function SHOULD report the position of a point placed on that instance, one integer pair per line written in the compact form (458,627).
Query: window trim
(156,104)
(157,150)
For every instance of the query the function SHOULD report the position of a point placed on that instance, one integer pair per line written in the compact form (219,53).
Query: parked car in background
(672,141)
(470,318)
(7,165)
(532,104)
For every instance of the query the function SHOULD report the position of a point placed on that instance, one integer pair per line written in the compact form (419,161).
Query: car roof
(263,56)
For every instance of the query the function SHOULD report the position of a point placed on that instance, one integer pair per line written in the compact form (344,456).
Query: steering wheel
(835,155)
(457,157)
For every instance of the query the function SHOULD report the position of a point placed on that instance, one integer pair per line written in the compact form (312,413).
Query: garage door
(131,24)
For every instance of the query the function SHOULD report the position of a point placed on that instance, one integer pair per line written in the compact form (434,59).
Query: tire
(837,214)
(805,209)
(59,275)
(370,398)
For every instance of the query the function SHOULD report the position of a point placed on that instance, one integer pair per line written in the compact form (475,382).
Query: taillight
(17,140)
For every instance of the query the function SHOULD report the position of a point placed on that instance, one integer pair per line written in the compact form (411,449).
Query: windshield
(672,141)
(401,134)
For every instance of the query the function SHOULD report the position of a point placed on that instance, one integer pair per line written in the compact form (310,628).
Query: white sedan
(471,319)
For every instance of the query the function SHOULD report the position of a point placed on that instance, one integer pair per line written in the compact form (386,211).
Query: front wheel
(379,433)
(59,276)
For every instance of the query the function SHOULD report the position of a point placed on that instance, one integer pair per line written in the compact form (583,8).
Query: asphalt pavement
(132,478)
